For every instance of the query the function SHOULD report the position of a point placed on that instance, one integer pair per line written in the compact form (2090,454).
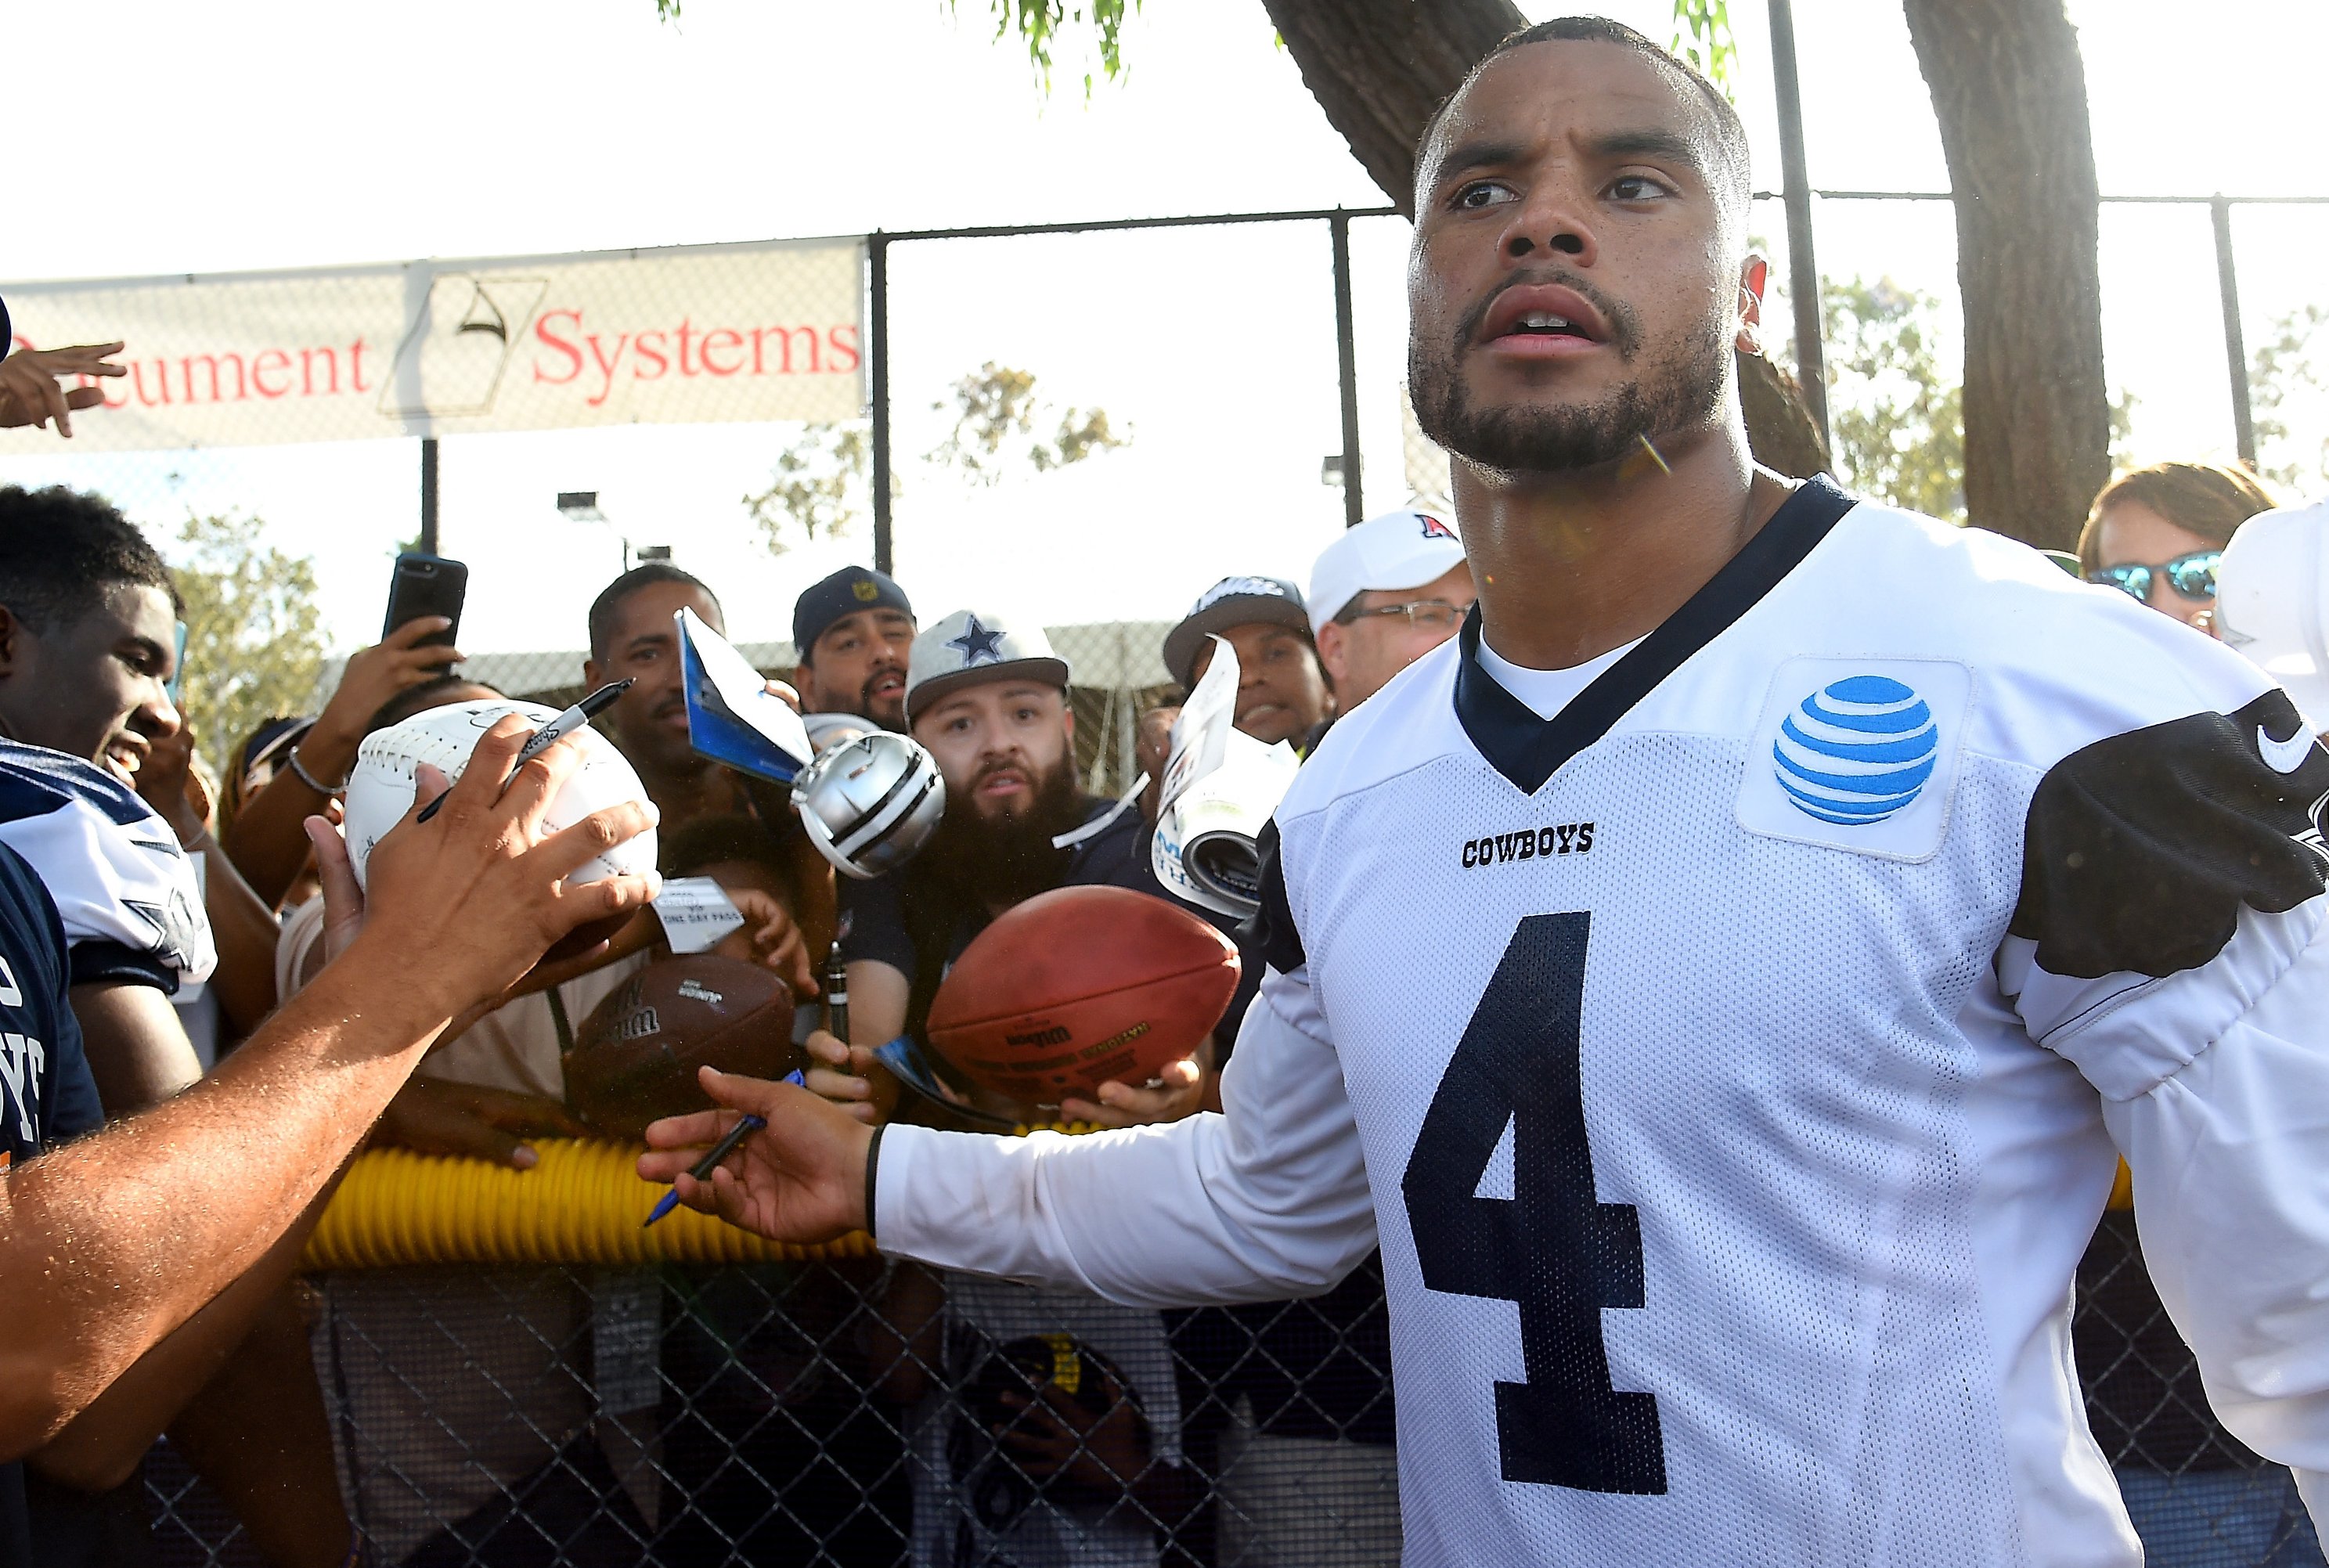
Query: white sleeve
(2230,1158)
(1265,1200)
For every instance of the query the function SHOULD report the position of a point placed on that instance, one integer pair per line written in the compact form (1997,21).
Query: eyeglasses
(2194,576)
(1424,614)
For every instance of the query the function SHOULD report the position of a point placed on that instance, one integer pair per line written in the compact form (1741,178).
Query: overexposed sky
(276,134)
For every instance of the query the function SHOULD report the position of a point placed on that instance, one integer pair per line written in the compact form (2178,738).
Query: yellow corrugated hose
(583,1203)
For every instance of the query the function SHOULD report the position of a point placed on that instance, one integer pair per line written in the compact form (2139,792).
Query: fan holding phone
(425,594)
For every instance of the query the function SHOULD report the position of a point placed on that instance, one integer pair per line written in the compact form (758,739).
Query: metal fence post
(427,494)
(1803,269)
(1354,506)
(2235,353)
(877,252)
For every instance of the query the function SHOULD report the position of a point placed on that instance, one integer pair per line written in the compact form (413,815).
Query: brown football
(634,1057)
(1079,986)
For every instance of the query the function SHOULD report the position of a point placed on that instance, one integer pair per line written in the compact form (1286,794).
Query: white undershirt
(1546,692)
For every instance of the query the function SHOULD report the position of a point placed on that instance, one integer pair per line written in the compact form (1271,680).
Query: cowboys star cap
(973,646)
(1232,601)
(1398,550)
(2272,602)
(845,592)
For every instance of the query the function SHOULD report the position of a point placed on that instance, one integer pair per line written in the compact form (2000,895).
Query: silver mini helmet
(871,803)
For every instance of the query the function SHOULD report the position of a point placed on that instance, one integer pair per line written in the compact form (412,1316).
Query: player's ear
(13,636)
(594,675)
(1754,275)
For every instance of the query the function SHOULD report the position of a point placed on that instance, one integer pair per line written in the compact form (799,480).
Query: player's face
(1572,285)
(997,743)
(94,688)
(1359,655)
(649,722)
(1281,691)
(859,667)
(2132,534)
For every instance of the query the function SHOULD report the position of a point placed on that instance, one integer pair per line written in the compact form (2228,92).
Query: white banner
(687,334)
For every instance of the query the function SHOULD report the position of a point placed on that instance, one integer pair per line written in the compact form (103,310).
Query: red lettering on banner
(260,367)
(784,336)
(685,327)
(607,366)
(308,370)
(655,352)
(573,355)
(161,383)
(832,341)
(356,364)
(735,340)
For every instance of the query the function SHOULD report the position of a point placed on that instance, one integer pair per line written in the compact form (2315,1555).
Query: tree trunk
(1377,68)
(2010,95)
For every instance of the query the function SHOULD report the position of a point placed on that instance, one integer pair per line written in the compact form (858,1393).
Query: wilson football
(1079,986)
(634,1057)
(381,790)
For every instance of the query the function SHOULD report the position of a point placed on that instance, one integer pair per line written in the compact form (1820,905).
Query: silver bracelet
(299,769)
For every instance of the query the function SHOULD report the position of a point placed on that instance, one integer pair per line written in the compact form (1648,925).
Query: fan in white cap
(2272,602)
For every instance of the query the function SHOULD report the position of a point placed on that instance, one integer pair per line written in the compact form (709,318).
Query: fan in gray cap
(1232,601)
(972,646)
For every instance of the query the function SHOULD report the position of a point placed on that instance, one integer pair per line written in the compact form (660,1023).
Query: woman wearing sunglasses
(2157,533)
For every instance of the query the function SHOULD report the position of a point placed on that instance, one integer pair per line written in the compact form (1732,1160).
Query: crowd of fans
(1256,1435)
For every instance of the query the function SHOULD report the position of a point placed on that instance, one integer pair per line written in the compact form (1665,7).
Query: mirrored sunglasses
(2194,576)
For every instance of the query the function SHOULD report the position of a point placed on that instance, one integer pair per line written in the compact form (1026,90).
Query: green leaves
(1702,37)
(255,642)
(1039,22)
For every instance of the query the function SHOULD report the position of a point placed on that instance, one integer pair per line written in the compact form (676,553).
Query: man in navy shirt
(989,698)
(46,1094)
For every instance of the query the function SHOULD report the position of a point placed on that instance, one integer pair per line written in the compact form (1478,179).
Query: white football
(381,789)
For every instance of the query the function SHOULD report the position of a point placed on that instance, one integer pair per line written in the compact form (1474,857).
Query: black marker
(836,995)
(551,733)
(702,1170)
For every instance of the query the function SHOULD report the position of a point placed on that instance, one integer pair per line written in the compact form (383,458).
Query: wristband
(299,769)
(872,1164)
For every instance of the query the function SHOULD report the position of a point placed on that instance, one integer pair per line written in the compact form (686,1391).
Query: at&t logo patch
(1858,754)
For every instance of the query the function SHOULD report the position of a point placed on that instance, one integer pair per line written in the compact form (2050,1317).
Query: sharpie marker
(551,733)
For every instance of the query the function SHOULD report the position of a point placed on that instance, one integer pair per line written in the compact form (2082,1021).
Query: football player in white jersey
(1720,976)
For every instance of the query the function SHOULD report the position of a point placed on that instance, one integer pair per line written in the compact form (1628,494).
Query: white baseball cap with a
(1398,550)
(972,646)
(2272,602)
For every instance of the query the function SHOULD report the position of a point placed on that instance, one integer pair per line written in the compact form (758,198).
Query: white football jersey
(131,906)
(1731,1066)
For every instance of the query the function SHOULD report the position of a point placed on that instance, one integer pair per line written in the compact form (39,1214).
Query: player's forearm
(1264,1202)
(112,1243)
(99,1448)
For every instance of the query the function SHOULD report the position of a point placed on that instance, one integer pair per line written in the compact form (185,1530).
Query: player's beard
(1007,857)
(1678,392)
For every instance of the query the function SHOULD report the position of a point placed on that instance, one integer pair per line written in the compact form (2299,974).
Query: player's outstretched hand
(462,905)
(801,1178)
(1181,1093)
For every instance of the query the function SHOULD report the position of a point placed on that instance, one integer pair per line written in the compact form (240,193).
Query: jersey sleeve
(1263,1200)
(2169,944)
(125,890)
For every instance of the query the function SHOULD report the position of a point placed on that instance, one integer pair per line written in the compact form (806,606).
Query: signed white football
(381,789)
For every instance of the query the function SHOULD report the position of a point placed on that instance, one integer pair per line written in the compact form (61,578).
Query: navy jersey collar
(1528,750)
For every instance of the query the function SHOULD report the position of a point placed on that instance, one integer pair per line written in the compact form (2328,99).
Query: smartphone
(427,585)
